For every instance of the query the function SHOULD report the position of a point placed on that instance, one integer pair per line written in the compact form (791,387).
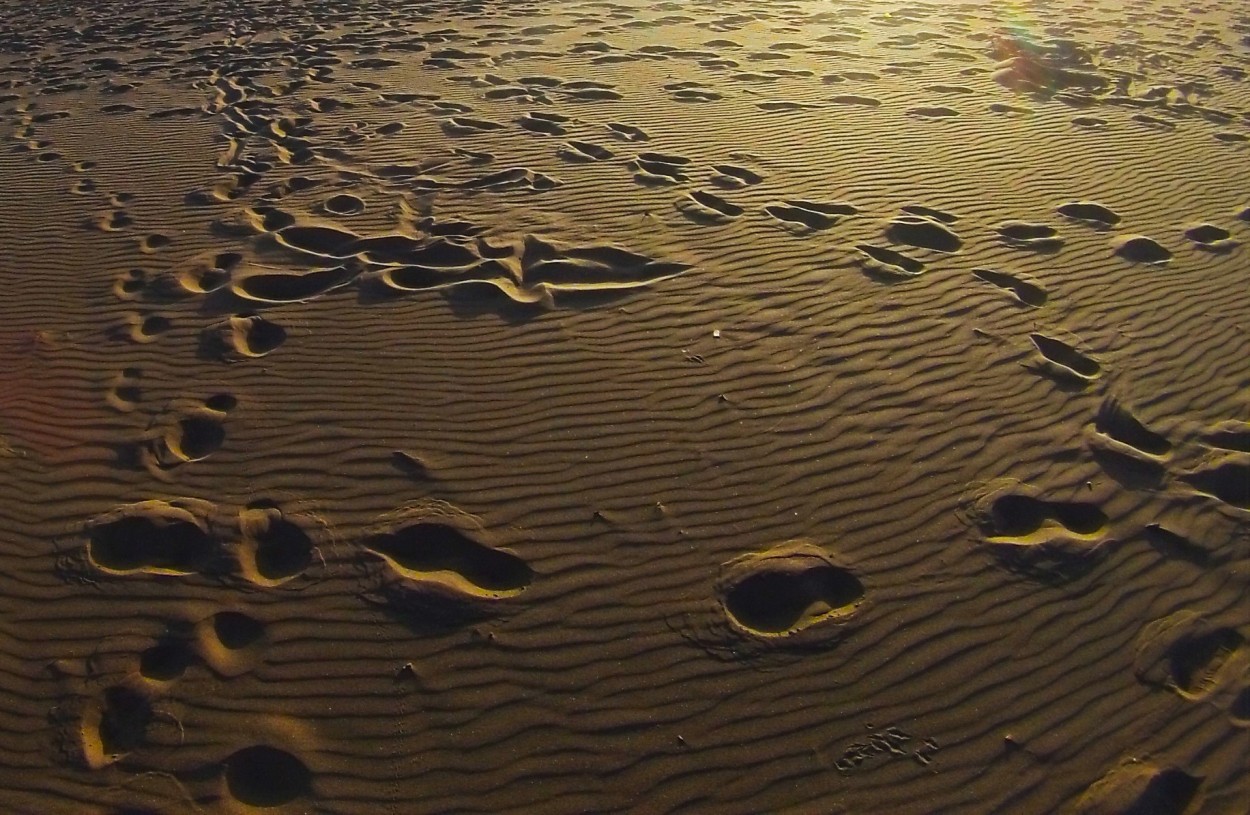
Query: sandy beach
(715,407)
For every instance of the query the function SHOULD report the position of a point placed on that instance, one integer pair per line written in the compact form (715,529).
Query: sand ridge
(624,406)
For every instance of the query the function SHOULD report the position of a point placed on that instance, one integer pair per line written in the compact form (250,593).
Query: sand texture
(710,407)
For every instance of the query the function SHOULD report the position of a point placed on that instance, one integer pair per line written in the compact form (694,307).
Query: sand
(734,407)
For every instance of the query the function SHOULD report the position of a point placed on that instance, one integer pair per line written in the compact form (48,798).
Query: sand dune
(624,407)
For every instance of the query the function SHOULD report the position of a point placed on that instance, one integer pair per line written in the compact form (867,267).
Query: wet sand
(804,407)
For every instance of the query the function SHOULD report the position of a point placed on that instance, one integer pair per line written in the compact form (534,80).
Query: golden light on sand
(630,406)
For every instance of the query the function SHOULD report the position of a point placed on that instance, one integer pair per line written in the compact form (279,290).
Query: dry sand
(712,407)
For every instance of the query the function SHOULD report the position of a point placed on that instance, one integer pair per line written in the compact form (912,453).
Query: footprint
(264,777)
(1142,249)
(779,594)
(932,214)
(1227,480)
(652,172)
(438,568)
(291,287)
(705,207)
(343,204)
(1062,361)
(547,124)
(152,537)
(1153,121)
(932,112)
(1174,545)
(468,126)
(923,233)
(199,275)
(273,549)
(1117,421)
(186,436)
(1186,654)
(146,328)
(1090,212)
(1212,238)
(1026,235)
(1023,289)
(851,99)
(627,132)
(803,216)
(1137,787)
(583,152)
(114,725)
(1040,538)
(150,244)
(730,176)
(124,392)
(241,337)
(1229,435)
(887,264)
(230,642)
(167,660)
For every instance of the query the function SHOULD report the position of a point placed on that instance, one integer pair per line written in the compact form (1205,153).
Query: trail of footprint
(1023,289)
